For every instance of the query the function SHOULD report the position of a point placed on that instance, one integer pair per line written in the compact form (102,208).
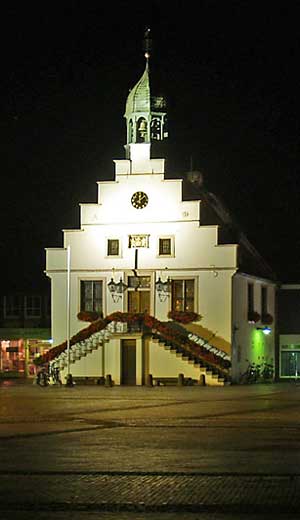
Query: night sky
(230,75)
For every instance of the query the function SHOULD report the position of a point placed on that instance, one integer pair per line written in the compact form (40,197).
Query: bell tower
(146,118)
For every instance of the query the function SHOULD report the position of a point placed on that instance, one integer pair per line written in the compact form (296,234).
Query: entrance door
(139,301)
(128,362)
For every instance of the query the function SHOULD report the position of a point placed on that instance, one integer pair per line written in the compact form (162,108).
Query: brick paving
(86,453)
(150,492)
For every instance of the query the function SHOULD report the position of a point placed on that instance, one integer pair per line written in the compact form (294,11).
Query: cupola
(146,117)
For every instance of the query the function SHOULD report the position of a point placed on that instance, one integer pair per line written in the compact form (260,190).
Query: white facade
(138,214)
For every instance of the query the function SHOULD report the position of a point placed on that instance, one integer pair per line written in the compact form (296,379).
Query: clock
(139,200)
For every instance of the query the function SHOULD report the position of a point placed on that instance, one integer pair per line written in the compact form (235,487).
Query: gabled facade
(143,249)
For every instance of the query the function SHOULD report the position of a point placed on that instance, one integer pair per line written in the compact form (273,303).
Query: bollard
(149,380)
(202,381)
(69,380)
(180,381)
(108,380)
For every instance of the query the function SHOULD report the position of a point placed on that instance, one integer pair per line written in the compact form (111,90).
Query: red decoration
(267,319)
(253,317)
(88,316)
(184,316)
(168,334)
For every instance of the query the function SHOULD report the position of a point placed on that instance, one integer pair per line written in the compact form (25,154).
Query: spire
(147,43)
(145,115)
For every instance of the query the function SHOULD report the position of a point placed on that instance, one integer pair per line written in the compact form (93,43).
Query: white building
(153,245)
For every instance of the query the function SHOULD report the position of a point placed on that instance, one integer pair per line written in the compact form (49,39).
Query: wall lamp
(163,289)
(265,330)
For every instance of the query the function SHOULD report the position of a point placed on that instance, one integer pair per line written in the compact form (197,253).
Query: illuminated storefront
(289,331)
(17,356)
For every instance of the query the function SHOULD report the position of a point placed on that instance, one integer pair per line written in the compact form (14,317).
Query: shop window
(32,306)
(183,295)
(91,296)
(113,247)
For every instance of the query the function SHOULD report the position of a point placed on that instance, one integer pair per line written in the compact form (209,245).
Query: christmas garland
(184,316)
(89,316)
(267,319)
(179,339)
(253,317)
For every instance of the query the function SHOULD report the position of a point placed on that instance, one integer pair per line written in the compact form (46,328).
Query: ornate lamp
(163,289)
(116,289)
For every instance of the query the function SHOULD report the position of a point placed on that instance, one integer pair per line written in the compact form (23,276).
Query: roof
(139,97)
(214,212)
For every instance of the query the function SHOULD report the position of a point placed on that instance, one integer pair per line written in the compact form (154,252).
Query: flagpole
(68,307)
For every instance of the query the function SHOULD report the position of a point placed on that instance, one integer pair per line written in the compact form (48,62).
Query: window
(12,306)
(250,298)
(33,306)
(183,295)
(91,296)
(140,282)
(165,246)
(113,247)
(264,301)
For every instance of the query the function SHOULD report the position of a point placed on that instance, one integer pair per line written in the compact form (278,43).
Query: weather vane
(147,43)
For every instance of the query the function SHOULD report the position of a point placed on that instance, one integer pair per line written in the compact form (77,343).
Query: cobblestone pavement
(138,453)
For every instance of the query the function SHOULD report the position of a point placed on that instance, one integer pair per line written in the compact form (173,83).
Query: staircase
(183,362)
(193,359)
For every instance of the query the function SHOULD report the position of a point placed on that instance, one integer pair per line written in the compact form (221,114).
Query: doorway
(290,363)
(128,362)
(138,294)
(139,301)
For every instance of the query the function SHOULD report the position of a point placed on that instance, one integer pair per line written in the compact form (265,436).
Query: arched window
(141,134)
(155,129)
(130,131)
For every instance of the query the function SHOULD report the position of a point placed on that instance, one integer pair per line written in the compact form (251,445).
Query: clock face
(139,200)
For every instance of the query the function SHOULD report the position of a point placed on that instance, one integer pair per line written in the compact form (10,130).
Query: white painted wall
(244,344)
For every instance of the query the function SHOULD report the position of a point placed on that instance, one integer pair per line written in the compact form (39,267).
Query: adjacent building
(289,331)
(25,331)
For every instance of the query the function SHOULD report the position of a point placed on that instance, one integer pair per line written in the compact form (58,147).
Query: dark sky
(230,74)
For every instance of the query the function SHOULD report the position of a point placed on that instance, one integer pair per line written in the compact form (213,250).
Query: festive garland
(89,316)
(267,319)
(182,341)
(184,316)
(253,317)
(205,344)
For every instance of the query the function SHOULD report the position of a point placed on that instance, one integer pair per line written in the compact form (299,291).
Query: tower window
(142,130)
(156,129)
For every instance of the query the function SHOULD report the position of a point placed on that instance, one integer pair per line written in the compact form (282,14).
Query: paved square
(151,451)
